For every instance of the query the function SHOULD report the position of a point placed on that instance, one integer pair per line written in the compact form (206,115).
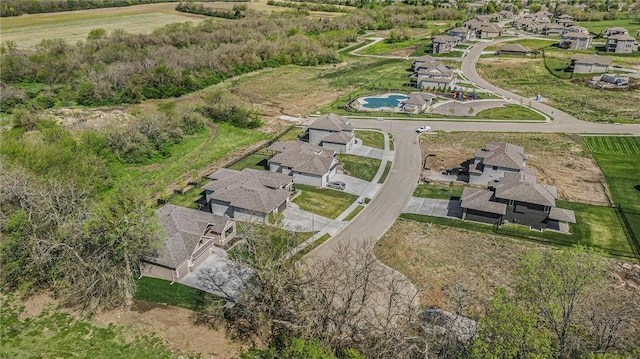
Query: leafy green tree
(509,331)
(553,283)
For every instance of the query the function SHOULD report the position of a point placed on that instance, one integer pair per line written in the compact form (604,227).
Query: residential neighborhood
(324,179)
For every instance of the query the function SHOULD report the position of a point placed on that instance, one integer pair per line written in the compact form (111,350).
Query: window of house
(547,208)
(510,202)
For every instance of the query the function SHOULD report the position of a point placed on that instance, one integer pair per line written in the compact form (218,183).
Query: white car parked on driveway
(423,129)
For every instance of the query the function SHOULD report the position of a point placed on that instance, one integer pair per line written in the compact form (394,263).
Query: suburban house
(575,28)
(514,49)
(332,132)
(584,64)
(431,73)
(575,41)
(248,195)
(516,198)
(443,44)
(552,29)
(621,44)
(615,31)
(308,164)
(565,20)
(487,31)
(417,102)
(463,34)
(189,238)
(496,159)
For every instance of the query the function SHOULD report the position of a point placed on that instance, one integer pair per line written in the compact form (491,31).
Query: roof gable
(331,122)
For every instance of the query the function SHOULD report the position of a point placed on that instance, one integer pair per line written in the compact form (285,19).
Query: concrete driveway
(371,152)
(434,207)
(218,275)
(298,220)
(356,186)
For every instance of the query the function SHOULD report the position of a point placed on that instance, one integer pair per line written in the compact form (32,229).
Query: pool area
(387,100)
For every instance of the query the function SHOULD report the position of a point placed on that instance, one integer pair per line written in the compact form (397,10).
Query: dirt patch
(75,119)
(404,52)
(557,159)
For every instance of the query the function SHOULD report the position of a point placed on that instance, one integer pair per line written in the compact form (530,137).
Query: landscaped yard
(281,241)
(256,161)
(373,139)
(529,77)
(292,134)
(193,198)
(361,167)
(323,201)
(619,159)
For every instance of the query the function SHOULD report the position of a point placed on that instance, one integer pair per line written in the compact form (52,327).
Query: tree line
(19,7)
(237,12)
(310,6)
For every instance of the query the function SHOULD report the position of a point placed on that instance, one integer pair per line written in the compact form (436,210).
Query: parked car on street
(337,185)
(423,129)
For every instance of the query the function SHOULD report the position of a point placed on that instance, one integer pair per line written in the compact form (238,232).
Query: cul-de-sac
(320,179)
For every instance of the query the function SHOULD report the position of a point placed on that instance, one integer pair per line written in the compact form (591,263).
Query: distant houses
(584,64)
(431,73)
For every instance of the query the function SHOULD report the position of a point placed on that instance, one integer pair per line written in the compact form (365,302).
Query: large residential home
(516,198)
(615,31)
(431,73)
(443,44)
(514,49)
(332,132)
(308,164)
(248,195)
(417,102)
(575,41)
(464,34)
(496,159)
(552,29)
(189,238)
(584,64)
(621,44)
(565,20)
(487,31)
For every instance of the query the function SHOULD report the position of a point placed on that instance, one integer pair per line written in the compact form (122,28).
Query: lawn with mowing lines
(323,201)
(614,145)
(373,139)
(364,168)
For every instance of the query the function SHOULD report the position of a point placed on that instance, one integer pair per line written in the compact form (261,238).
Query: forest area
(73,223)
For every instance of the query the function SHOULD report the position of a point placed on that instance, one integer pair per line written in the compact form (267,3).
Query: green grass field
(529,77)
(373,139)
(162,291)
(430,190)
(256,161)
(597,27)
(510,112)
(193,198)
(364,168)
(386,48)
(322,201)
(619,159)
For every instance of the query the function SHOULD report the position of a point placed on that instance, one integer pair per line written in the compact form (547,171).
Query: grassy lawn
(256,161)
(364,168)
(373,139)
(597,27)
(354,213)
(618,157)
(323,201)
(162,291)
(387,169)
(280,240)
(529,77)
(510,112)
(532,44)
(430,190)
(292,134)
(193,153)
(386,48)
(193,198)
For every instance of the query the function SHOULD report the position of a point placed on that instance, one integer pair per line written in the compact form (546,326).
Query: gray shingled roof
(575,35)
(424,95)
(502,154)
(480,200)
(562,215)
(592,59)
(443,39)
(303,157)
(331,122)
(459,30)
(621,37)
(515,48)
(183,228)
(414,100)
(525,188)
(250,189)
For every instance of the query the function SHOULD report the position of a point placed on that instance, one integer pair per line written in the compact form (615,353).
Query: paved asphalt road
(379,215)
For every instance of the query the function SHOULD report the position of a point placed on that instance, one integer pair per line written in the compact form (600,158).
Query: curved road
(380,214)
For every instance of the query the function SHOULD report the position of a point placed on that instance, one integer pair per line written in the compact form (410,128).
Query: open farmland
(529,77)
(28,30)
